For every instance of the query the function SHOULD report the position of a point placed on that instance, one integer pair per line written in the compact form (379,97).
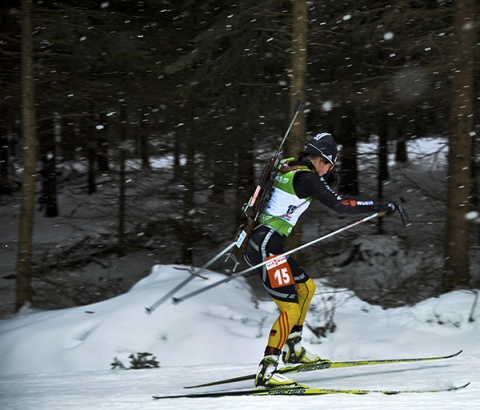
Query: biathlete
(297,183)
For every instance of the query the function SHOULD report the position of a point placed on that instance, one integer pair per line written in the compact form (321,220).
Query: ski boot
(294,352)
(266,376)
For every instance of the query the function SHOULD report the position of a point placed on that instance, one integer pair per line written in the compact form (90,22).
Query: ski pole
(149,310)
(243,272)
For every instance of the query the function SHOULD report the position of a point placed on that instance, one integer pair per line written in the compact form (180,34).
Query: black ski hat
(323,144)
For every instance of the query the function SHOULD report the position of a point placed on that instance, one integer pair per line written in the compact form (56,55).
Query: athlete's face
(321,166)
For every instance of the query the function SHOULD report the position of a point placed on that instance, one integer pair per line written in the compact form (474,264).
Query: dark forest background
(208,84)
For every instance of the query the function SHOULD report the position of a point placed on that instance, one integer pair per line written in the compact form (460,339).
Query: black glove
(389,207)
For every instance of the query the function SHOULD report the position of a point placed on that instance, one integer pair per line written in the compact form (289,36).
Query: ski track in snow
(60,359)
(133,389)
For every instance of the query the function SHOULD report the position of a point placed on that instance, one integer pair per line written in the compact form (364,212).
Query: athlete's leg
(305,292)
(293,351)
(288,318)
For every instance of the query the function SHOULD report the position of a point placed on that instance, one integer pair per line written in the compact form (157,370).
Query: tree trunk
(122,124)
(101,137)
(177,152)
(456,270)
(401,153)
(27,210)
(189,204)
(219,177)
(144,145)
(383,173)
(382,162)
(349,171)
(296,142)
(68,140)
(5,187)
(48,198)
(91,148)
(245,178)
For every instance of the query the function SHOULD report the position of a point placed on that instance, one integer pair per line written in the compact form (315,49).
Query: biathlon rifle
(257,202)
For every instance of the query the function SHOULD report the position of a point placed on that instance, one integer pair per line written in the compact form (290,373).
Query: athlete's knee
(292,309)
(294,313)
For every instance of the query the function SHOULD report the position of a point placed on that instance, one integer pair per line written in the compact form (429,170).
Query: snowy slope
(61,359)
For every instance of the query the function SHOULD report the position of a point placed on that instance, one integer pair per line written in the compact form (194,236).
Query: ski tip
(148,311)
(175,301)
(456,354)
(462,387)
(455,388)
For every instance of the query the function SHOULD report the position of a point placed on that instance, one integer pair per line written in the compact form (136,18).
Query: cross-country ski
(308,391)
(326,364)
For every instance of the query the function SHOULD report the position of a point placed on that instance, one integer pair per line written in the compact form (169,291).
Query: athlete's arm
(310,184)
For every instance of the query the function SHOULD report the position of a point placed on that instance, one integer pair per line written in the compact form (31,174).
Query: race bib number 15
(279,272)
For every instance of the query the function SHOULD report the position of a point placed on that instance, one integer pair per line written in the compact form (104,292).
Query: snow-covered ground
(61,359)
